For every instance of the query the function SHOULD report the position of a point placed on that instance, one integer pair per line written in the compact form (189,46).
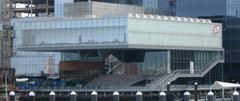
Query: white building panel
(174,33)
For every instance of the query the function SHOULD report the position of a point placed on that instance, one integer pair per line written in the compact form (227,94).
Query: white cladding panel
(174,33)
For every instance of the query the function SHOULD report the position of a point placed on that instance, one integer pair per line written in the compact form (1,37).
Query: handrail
(175,74)
(161,80)
(208,64)
(114,67)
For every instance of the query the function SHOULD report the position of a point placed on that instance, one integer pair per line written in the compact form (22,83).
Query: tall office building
(162,5)
(222,11)
(198,8)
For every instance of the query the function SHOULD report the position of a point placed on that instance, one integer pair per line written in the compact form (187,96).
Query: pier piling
(196,91)
(168,88)
(139,96)
(115,96)
(31,96)
(162,96)
(73,96)
(52,96)
(235,96)
(210,96)
(186,96)
(12,96)
(94,96)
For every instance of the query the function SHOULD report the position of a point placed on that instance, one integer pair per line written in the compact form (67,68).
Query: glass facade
(222,11)
(90,34)
(231,39)
(37,62)
(167,6)
(150,4)
(143,62)
(196,8)
(153,44)
(182,59)
(72,32)
(149,62)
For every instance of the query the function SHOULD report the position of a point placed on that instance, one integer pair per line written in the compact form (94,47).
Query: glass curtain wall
(71,31)
(223,11)
(132,61)
(180,60)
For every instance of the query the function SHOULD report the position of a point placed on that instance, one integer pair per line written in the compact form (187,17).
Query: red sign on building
(217,29)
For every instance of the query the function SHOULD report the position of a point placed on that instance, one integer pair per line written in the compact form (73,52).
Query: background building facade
(222,11)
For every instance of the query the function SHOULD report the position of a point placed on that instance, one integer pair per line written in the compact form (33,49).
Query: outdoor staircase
(162,82)
(112,63)
(114,66)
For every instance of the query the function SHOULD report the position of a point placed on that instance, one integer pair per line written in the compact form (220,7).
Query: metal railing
(186,73)
(114,65)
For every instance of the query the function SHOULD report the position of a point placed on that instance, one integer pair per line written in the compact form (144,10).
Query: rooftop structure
(79,9)
(31,8)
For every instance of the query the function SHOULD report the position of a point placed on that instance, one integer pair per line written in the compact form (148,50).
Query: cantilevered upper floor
(135,31)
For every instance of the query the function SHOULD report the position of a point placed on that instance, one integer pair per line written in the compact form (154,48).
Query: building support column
(31,8)
(168,61)
(47,13)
